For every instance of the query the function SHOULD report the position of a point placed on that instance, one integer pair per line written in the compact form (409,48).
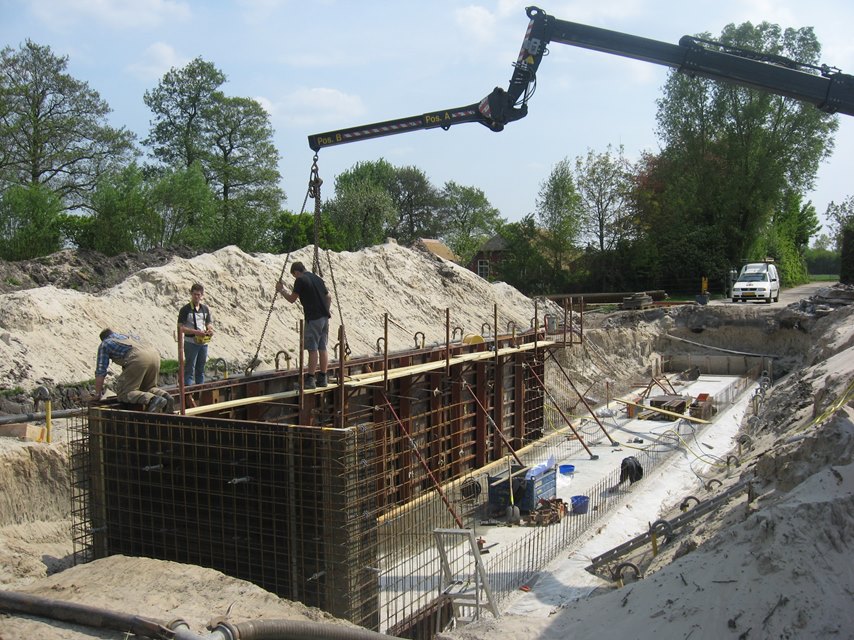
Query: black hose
(302,630)
(94,617)
(81,614)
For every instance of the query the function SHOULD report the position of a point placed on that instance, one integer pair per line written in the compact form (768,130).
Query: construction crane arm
(822,86)
(825,87)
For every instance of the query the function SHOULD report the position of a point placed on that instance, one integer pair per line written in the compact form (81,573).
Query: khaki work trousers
(137,383)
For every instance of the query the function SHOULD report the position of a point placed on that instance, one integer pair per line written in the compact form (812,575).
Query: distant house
(438,248)
(488,257)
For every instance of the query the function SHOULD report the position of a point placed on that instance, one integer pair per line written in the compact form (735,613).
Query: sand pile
(50,336)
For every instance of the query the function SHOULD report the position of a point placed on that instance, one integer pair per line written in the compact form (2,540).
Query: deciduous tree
(732,154)
(559,215)
(53,129)
(30,223)
(468,220)
(180,104)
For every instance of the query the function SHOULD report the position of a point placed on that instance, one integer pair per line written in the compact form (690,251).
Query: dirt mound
(87,271)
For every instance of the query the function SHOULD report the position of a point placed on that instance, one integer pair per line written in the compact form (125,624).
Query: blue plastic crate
(527,493)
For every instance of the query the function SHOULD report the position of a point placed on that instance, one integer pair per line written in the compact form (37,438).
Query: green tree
(603,182)
(53,129)
(468,220)
(821,260)
(731,155)
(30,222)
(558,211)
(187,207)
(524,265)
(292,231)
(124,218)
(242,164)
(379,173)
(839,217)
(181,103)
(417,203)
(822,242)
(361,213)
(787,238)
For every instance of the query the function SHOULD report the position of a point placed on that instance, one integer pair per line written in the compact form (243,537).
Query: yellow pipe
(47,409)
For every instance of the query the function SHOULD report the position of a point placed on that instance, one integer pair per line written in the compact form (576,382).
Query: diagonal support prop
(592,455)
(423,462)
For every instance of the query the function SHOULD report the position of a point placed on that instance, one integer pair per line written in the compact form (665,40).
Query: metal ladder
(463,587)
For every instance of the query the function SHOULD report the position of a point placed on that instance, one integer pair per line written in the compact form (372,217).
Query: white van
(757,281)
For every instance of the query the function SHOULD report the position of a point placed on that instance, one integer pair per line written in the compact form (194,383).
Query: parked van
(757,281)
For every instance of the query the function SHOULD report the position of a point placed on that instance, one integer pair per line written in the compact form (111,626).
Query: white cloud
(315,106)
(265,103)
(63,14)
(156,61)
(477,22)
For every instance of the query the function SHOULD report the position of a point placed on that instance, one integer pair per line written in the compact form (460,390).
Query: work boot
(321,380)
(156,405)
(309,382)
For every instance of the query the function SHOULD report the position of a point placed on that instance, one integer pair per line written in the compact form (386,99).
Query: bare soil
(801,441)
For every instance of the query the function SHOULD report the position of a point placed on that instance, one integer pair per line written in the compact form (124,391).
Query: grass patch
(14,391)
(824,277)
(169,367)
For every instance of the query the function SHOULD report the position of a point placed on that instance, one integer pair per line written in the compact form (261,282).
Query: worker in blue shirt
(137,383)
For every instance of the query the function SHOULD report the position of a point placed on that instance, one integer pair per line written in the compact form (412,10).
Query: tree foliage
(607,222)
(53,129)
(468,220)
(181,103)
(292,231)
(361,214)
(187,207)
(840,216)
(30,222)
(230,139)
(417,203)
(523,264)
(410,210)
(124,217)
(731,158)
(559,215)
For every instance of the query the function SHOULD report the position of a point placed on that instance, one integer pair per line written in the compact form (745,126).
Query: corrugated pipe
(179,630)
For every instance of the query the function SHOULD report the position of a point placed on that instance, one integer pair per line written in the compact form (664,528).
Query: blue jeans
(195,357)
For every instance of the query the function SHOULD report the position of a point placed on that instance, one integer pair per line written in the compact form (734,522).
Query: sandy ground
(778,567)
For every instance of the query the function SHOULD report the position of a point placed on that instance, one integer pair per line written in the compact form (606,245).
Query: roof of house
(495,243)
(439,248)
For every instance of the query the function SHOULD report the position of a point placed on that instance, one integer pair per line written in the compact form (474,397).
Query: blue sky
(320,65)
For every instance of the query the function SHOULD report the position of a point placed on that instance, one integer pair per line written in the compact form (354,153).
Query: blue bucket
(567,469)
(579,504)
